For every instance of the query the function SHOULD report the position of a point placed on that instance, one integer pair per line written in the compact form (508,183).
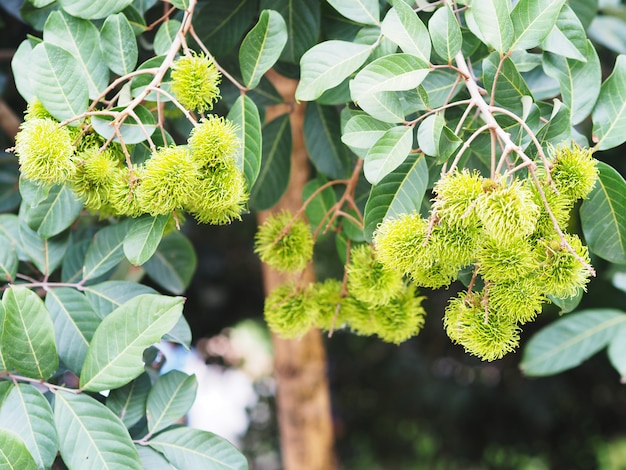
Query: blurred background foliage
(424,404)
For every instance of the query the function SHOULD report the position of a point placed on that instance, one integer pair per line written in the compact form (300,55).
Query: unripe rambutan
(96,173)
(505,260)
(213,142)
(456,198)
(560,206)
(45,151)
(220,195)
(562,273)
(123,196)
(521,300)
(195,81)
(325,297)
(369,280)
(401,319)
(483,333)
(507,210)
(286,311)
(574,171)
(285,249)
(36,110)
(169,181)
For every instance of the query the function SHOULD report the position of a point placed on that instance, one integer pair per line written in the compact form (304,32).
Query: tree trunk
(304,415)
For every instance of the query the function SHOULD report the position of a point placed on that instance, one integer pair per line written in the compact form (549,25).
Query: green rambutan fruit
(195,81)
(574,171)
(520,300)
(283,243)
(562,273)
(213,142)
(401,319)
(505,260)
(287,311)
(96,173)
(456,195)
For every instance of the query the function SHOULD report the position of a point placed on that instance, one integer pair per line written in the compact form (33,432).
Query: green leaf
(579,81)
(222,23)
(322,137)
(384,106)
(388,153)
(569,341)
(165,36)
(129,402)
(533,20)
(400,192)
(608,31)
(609,114)
(170,399)
(135,18)
(359,11)
(75,322)
(568,37)
(20,65)
(275,165)
(14,453)
(118,44)
(107,296)
(510,86)
(74,259)
(82,39)
(567,304)
(27,413)
(3,363)
(55,213)
(603,216)
(190,449)
(47,254)
(326,65)
(58,81)
(319,206)
(395,72)
(262,47)
(139,83)
(402,26)
(5,387)
(362,131)
(150,458)
(136,325)
(245,115)
(440,85)
(494,23)
(180,4)
(173,264)
(28,344)
(91,10)
(143,237)
(91,436)
(132,132)
(8,259)
(445,33)
(617,352)
(429,134)
(558,128)
(105,251)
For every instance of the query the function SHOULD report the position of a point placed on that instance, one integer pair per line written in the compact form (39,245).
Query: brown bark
(303,401)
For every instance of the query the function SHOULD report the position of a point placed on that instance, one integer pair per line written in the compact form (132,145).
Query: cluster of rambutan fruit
(201,178)
(510,232)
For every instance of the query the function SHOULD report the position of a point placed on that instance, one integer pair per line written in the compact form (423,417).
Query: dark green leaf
(327,64)
(388,153)
(27,413)
(570,340)
(579,81)
(510,86)
(28,343)
(173,264)
(105,251)
(91,437)
(136,325)
(55,213)
(603,216)
(139,83)
(58,81)
(445,33)
(131,131)
(190,449)
(13,452)
(319,206)
(91,10)
(82,39)
(107,296)
(609,114)
(143,237)
(180,4)
(75,322)
(275,165)
(533,20)
(170,399)
(262,47)
(245,115)
(8,260)
(322,136)
(403,26)
(400,192)
(129,402)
